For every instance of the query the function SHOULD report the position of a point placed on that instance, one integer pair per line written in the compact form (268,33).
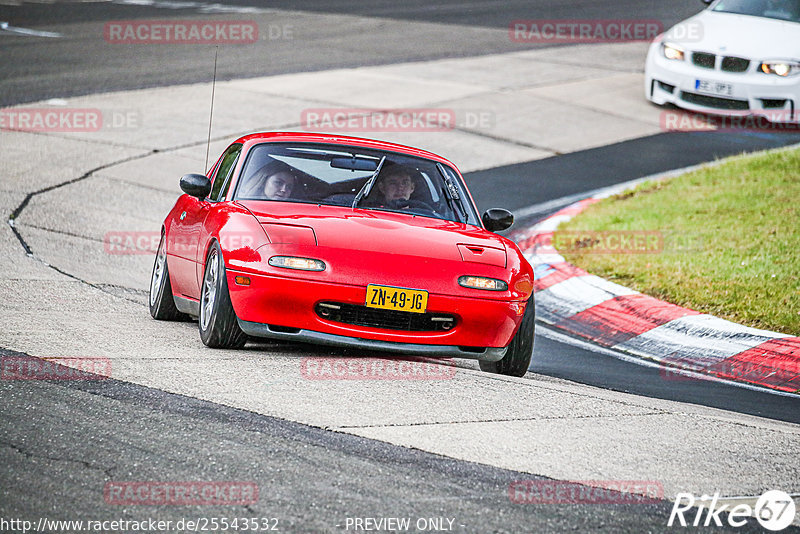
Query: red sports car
(344,241)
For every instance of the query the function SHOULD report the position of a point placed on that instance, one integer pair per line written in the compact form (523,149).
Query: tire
(162,305)
(520,350)
(218,325)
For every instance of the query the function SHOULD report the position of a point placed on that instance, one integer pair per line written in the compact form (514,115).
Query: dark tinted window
(773,9)
(224,172)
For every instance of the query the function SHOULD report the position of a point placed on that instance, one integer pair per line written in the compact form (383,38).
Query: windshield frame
(470,215)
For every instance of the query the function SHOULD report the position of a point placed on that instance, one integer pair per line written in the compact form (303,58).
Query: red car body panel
(359,247)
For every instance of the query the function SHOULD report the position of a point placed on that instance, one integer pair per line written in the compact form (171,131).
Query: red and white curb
(678,339)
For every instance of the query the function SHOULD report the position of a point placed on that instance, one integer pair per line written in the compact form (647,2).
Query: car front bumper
(412,349)
(284,308)
(754,94)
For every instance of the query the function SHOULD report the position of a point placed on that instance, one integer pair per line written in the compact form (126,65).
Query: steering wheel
(410,204)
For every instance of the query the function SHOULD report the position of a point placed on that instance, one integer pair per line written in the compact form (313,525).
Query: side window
(224,172)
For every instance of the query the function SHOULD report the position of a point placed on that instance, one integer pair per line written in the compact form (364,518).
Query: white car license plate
(713,88)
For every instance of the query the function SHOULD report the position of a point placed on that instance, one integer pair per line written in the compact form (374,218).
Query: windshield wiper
(451,192)
(367,187)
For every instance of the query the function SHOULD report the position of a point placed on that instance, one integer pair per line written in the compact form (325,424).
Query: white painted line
(579,293)
(5,28)
(701,340)
(543,259)
(202,7)
(553,334)
(551,223)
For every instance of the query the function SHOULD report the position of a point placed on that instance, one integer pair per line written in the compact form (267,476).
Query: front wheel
(218,325)
(520,350)
(162,304)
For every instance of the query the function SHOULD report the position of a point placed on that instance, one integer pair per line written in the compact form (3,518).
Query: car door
(184,240)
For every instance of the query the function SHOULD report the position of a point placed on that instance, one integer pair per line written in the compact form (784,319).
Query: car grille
(773,103)
(667,87)
(714,101)
(389,319)
(707,60)
(704,59)
(735,64)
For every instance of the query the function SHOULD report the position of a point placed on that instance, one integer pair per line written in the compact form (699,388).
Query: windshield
(772,9)
(356,177)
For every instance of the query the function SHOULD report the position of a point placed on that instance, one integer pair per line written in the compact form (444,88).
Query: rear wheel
(520,350)
(218,325)
(162,305)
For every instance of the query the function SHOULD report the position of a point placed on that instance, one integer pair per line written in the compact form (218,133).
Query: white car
(735,58)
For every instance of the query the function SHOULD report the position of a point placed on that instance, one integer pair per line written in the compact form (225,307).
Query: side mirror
(196,185)
(497,219)
(707,2)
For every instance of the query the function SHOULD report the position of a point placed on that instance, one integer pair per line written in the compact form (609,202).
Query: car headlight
(300,264)
(480,282)
(780,68)
(671,51)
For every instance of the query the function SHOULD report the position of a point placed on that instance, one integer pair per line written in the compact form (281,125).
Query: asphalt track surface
(311,479)
(82,63)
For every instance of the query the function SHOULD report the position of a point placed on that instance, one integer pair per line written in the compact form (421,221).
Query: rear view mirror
(196,185)
(497,219)
(355,164)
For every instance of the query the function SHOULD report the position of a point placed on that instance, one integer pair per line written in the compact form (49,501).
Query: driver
(396,185)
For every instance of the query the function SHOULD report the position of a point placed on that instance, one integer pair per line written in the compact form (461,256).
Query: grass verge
(723,240)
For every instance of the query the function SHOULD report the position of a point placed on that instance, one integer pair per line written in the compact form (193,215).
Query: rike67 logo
(775,510)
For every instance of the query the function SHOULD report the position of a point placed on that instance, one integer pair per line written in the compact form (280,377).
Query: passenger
(279,186)
(274,181)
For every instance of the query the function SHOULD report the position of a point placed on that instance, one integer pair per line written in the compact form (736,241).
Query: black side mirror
(707,2)
(196,185)
(497,219)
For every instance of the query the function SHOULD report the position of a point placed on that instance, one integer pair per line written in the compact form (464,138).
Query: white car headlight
(671,51)
(780,68)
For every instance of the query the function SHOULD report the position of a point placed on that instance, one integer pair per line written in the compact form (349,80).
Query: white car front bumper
(749,93)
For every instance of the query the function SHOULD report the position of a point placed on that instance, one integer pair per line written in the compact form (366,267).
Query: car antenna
(211,115)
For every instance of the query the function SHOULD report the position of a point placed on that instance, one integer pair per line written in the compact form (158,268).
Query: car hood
(365,230)
(756,38)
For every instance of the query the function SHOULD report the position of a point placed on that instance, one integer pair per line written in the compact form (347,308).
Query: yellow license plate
(396,298)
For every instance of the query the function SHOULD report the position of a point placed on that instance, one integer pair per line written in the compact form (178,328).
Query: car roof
(303,137)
